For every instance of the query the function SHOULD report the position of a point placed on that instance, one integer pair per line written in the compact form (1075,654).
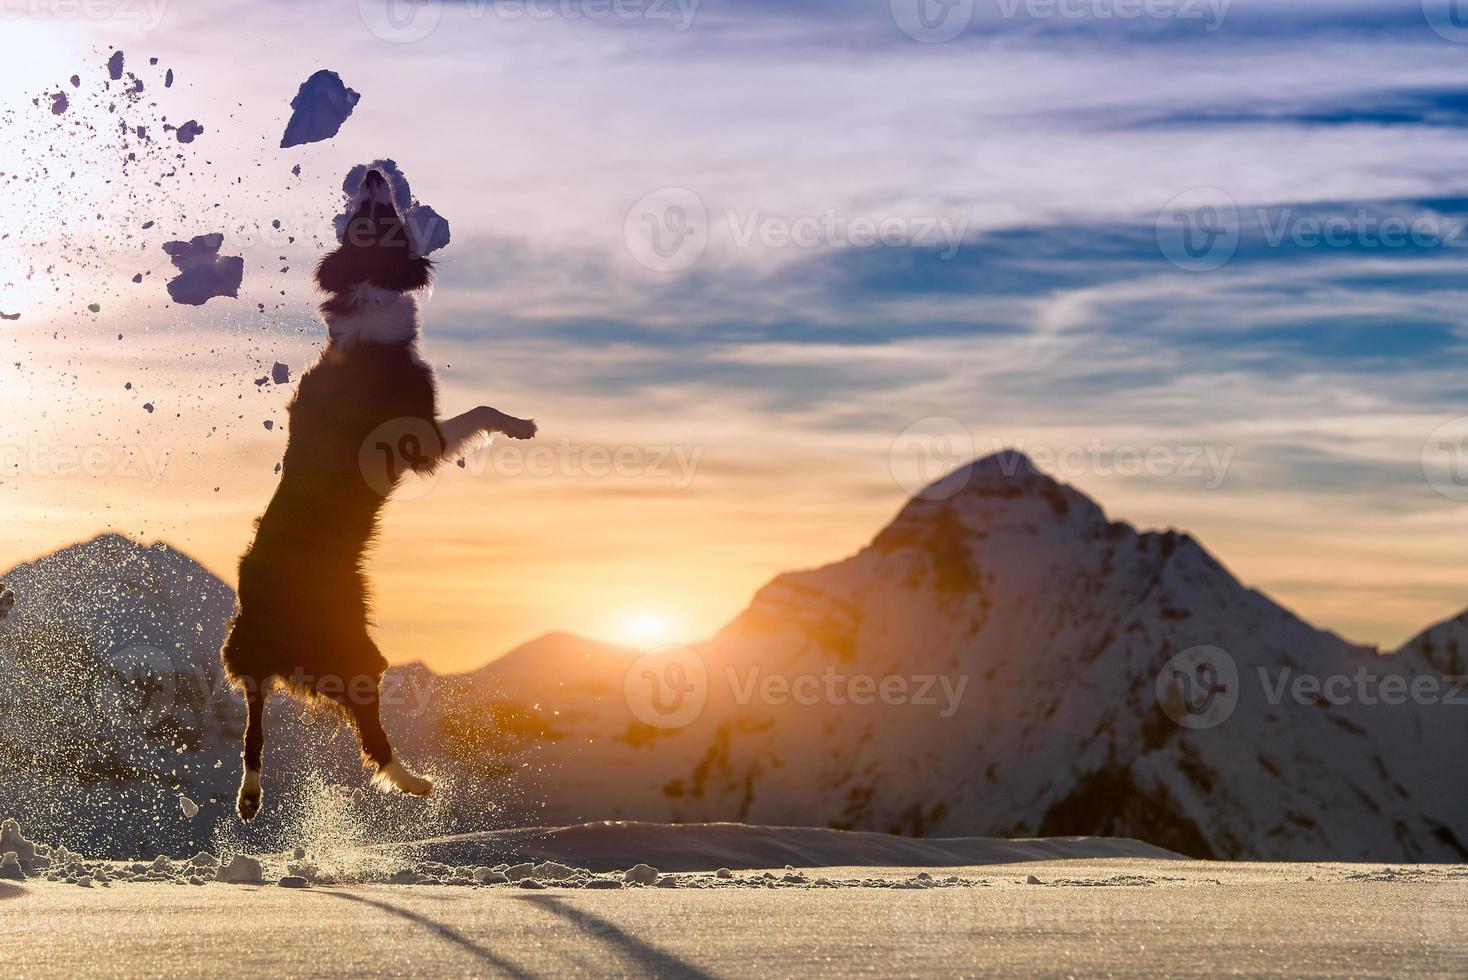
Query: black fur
(376,250)
(303,593)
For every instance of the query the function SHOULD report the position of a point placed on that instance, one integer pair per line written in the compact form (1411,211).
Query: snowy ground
(1124,916)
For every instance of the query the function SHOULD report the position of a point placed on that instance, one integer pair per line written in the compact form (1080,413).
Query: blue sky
(1022,171)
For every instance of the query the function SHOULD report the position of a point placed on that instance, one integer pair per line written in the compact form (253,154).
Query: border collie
(304,601)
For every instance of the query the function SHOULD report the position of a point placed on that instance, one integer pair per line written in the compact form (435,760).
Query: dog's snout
(375,190)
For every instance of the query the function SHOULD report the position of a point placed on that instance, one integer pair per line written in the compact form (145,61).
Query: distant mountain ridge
(1020,635)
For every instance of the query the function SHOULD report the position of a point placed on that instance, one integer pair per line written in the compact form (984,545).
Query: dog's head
(375,249)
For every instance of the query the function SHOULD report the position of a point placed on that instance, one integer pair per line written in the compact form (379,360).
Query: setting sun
(642,628)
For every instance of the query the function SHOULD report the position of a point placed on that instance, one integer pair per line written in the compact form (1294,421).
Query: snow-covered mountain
(1001,660)
(114,705)
(112,702)
(1047,627)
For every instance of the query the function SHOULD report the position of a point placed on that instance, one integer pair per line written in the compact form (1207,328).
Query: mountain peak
(1007,464)
(1005,482)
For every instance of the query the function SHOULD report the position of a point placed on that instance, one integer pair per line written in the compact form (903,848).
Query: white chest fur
(375,316)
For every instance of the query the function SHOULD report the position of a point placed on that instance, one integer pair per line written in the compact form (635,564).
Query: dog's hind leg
(249,798)
(391,774)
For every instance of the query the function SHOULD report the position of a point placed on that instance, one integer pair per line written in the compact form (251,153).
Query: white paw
(518,428)
(249,798)
(394,776)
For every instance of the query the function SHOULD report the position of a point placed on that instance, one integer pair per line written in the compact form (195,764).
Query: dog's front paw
(519,428)
(249,800)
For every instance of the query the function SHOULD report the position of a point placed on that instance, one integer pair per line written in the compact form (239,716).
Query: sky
(759,269)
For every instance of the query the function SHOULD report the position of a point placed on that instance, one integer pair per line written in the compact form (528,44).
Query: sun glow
(644,628)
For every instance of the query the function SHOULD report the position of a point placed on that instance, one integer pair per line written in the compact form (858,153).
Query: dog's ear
(397,269)
(334,271)
(406,275)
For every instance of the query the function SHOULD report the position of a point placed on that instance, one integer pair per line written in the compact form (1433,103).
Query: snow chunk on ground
(280,374)
(114,66)
(13,842)
(189,807)
(553,871)
(243,870)
(320,107)
(428,231)
(641,874)
(10,868)
(203,272)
